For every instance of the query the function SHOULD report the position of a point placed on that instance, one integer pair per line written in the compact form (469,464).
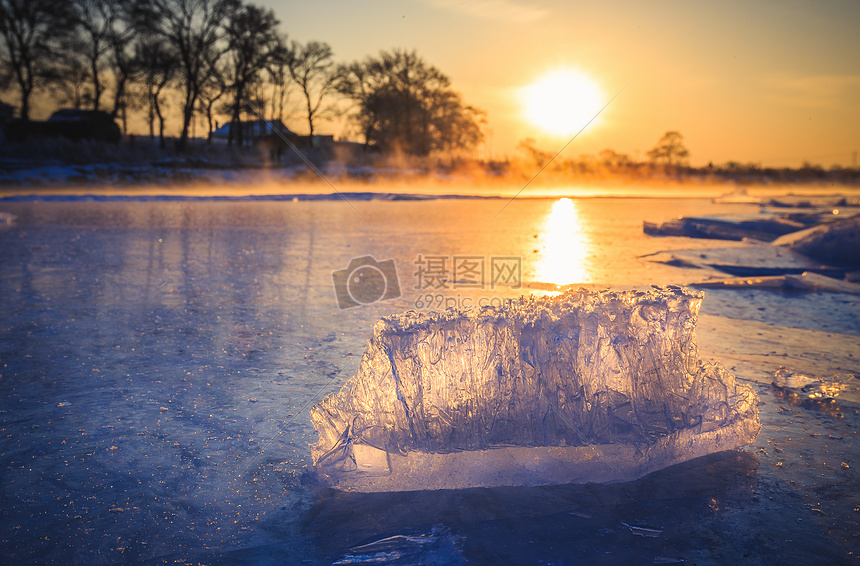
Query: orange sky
(773,82)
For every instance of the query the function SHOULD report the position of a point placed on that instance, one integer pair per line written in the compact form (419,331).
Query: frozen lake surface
(158,361)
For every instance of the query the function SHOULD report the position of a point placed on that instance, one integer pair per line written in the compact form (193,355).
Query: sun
(561,102)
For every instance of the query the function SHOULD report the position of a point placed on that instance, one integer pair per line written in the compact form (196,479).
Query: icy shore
(585,387)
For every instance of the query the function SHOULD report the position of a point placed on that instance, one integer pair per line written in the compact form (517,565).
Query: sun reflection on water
(564,247)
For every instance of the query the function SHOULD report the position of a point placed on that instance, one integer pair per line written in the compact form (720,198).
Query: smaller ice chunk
(808,387)
(834,242)
(812,282)
(584,387)
(439,547)
(762,227)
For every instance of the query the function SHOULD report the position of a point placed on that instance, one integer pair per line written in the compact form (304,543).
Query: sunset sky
(774,82)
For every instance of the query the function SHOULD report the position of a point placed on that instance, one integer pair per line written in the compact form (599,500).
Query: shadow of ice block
(584,387)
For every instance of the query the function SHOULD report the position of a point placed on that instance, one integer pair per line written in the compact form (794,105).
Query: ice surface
(584,387)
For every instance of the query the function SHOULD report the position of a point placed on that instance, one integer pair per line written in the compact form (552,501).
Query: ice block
(588,386)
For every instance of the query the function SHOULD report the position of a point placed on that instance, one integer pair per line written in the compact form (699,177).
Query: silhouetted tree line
(215,57)
(669,157)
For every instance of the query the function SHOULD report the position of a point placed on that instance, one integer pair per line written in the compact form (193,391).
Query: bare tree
(71,84)
(670,150)
(538,157)
(252,40)
(279,77)
(94,22)
(157,64)
(106,30)
(195,30)
(213,90)
(30,30)
(312,68)
(613,160)
(121,61)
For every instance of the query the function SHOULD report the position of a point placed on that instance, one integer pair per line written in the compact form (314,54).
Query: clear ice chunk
(835,242)
(804,386)
(588,386)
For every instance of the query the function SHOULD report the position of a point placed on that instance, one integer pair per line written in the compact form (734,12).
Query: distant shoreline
(387,193)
